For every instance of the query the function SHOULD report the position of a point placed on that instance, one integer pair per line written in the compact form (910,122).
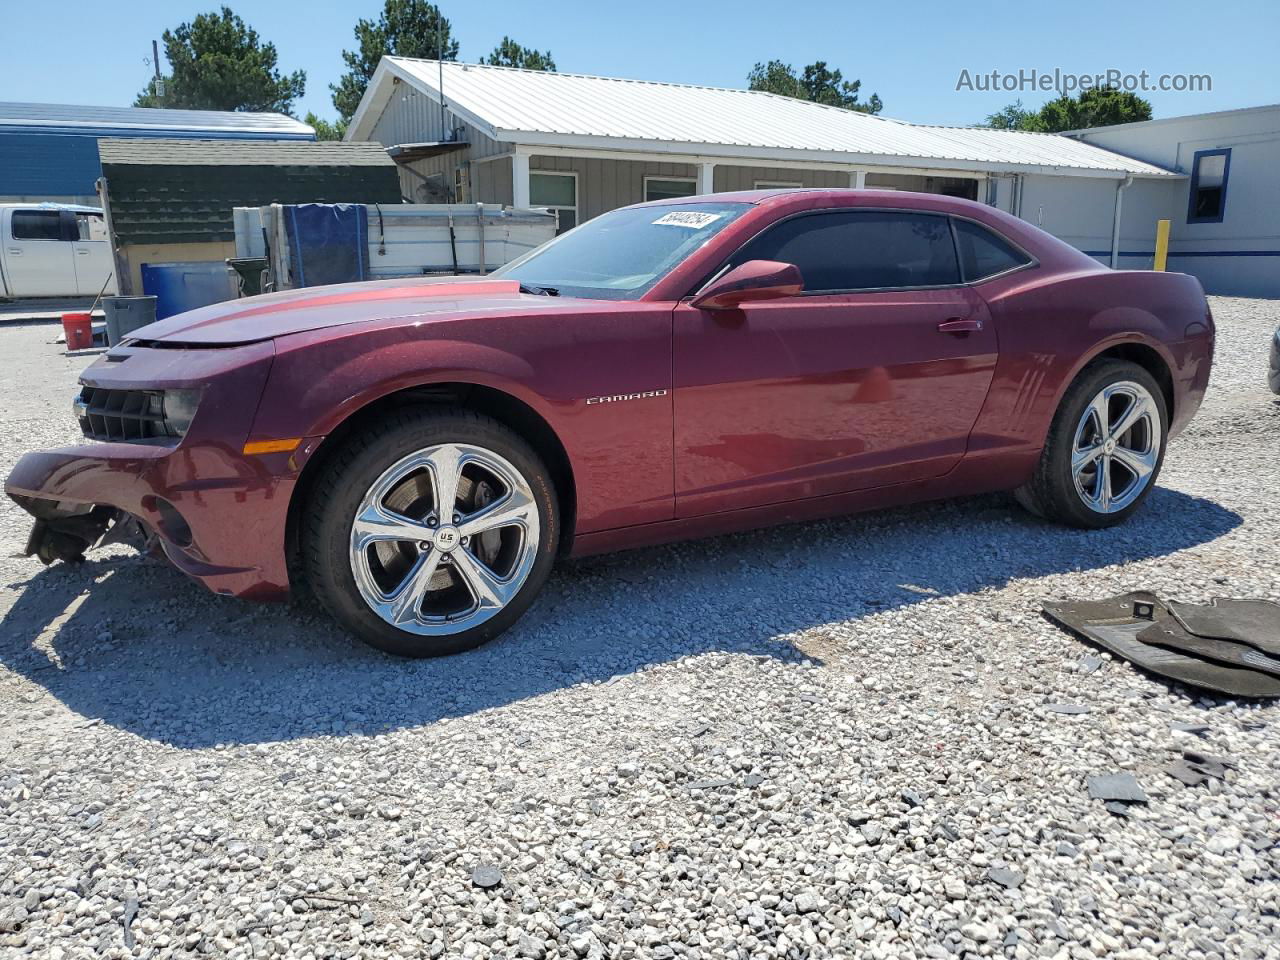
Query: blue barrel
(179,287)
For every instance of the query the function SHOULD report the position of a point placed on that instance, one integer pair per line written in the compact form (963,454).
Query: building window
(1209,171)
(777,184)
(669,188)
(558,192)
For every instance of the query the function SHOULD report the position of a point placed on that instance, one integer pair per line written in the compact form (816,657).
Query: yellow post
(1162,244)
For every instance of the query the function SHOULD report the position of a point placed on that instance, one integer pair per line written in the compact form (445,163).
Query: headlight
(179,406)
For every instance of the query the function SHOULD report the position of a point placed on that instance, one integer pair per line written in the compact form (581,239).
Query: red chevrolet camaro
(419,452)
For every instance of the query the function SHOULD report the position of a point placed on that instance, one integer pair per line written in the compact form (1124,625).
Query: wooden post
(1162,245)
(124,278)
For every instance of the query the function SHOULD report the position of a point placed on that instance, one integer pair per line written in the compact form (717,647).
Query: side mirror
(753,280)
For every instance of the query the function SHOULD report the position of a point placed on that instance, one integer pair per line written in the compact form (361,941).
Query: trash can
(127,314)
(249,274)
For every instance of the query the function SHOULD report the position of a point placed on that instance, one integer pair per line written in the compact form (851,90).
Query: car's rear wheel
(431,533)
(1104,450)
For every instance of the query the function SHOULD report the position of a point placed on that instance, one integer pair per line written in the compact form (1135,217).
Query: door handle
(82,253)
(960,325)
(15,252)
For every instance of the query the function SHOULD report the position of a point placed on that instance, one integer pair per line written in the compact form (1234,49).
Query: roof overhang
(784,156)
(409,152)
(389,76)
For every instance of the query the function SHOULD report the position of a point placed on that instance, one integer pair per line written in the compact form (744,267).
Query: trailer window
(37,225)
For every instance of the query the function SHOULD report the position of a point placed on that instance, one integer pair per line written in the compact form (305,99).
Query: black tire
(1051,492)
(350,472)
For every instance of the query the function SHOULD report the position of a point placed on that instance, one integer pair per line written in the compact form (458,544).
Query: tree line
(218,62)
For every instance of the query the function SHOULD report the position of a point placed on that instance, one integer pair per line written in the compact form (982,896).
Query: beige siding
(491,181)
(417,120)
(437,187)
(608,184)
(745,178)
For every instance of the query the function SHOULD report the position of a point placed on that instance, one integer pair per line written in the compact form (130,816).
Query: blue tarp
(328,243)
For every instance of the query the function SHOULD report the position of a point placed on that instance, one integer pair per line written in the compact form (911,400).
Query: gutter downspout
(1115,220)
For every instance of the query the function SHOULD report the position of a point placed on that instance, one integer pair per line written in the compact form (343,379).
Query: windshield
(621,254)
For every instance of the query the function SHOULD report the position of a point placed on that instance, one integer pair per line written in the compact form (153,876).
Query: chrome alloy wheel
(1117,446)
(444,539)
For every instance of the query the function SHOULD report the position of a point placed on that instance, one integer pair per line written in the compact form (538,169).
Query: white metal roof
(538,108)
(136,121)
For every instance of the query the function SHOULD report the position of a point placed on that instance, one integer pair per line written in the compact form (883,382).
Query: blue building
(49,151)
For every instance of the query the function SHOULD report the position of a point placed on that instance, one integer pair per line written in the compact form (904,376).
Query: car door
(92,255)
(875,375)
(39,255)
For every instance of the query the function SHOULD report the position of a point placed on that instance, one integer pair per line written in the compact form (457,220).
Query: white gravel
(855,738)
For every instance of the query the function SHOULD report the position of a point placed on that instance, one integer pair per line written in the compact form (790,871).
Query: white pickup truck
(53,250)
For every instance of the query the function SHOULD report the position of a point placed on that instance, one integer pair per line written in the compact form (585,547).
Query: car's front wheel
(430,533)
(1104,449)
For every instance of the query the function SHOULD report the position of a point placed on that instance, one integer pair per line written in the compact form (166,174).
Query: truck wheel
(430,533)
(1104,450)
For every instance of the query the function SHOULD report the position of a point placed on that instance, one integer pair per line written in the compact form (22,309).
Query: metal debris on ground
(486,876)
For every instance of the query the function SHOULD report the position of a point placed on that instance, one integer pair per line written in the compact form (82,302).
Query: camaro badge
(626,396)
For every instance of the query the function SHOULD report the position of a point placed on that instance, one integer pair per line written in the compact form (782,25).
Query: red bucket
(79,330)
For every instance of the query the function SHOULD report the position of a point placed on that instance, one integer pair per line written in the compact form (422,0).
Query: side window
(90,226)
(861,250)
(983,253)
(1209,172)
(37,225)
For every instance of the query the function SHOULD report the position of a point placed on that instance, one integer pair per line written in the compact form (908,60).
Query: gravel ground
(851,738)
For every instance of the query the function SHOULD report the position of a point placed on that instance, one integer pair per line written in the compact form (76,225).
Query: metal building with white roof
(582,144)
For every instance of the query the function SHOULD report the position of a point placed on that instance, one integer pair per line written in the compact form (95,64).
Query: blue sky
(912,54)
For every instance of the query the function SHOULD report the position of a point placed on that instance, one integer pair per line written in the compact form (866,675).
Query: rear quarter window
(984,253)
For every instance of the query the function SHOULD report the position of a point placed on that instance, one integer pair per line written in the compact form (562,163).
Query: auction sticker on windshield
(688,218)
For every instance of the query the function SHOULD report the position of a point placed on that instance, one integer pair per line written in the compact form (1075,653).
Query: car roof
(841,196)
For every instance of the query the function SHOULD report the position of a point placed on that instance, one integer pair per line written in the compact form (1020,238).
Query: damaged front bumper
(66,532)
(218,518)
(218,514)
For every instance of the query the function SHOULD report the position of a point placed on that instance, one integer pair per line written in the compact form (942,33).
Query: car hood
(313,308)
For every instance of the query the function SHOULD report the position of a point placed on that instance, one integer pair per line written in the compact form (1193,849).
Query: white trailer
(408,240)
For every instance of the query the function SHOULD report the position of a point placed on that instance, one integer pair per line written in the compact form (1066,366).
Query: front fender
(315,386)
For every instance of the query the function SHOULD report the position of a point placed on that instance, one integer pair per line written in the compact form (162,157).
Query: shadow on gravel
(134,644)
